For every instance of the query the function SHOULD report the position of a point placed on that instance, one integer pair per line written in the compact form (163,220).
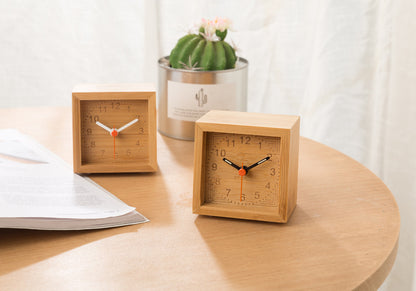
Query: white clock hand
(103,126)
(127,125)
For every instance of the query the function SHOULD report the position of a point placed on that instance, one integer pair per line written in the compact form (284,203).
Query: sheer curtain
(347,67)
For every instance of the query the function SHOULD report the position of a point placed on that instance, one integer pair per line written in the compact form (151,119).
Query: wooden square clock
(114,128)
(246,165)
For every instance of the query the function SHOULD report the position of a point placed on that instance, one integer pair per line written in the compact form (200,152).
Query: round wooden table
(343,234)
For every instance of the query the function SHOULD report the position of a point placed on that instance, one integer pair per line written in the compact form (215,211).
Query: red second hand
(114,134)
(242,172)
(241,189)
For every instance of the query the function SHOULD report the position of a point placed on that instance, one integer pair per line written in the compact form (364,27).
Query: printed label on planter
(189,102)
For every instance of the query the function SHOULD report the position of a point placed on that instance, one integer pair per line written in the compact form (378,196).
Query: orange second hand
(241,187)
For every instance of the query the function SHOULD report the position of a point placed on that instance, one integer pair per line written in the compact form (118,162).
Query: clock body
(114,128)
(266,146)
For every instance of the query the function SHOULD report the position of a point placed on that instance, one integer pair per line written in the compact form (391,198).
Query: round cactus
(206,51)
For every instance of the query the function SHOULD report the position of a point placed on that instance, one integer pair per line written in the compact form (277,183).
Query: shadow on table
(147,192)
(181,151)
(264,255)
(20,248)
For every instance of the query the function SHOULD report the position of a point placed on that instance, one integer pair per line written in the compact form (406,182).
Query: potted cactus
(201,73)
(206,51)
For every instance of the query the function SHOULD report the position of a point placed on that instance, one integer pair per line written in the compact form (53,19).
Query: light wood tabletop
(342,235)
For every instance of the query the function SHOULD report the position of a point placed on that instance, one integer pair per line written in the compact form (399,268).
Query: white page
(37,184)
(14,144)
(72,224)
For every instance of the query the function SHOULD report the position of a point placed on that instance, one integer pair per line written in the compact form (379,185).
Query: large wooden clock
(114,128)
(246,165)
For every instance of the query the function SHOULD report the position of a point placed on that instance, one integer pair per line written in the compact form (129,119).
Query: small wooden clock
(114,128)
(246,165)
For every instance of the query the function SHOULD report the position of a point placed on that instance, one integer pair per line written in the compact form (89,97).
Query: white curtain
(347,67)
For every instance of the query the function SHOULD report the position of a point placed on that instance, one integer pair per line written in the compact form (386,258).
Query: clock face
(257,185)
(114,131)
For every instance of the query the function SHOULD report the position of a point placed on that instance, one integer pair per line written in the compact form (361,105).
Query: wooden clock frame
(285,127)
(106,92)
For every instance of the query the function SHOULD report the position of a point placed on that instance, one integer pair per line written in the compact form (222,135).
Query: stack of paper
(39,191)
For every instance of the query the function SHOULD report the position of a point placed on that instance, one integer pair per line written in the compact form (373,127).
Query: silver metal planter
(184,96)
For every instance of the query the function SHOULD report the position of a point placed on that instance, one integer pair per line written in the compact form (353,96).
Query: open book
(39,191)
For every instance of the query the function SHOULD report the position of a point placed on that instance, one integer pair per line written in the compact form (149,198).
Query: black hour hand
(231,163)
(258,163)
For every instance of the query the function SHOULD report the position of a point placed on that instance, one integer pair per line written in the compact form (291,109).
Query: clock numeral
(141,130)
(94,118)
(93,144)
(221,153)
(243,197)
(89,131)
(217,181)
(260,144)
(272,171)
(256,195)
(128,152)
(228,191)
(138,142)
(214,166)
(270,155)
(115,105)
(245,139)
(267,185)
(230,143)
(103,108)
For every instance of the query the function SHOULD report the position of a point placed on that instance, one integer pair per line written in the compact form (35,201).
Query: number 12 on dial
(246,165)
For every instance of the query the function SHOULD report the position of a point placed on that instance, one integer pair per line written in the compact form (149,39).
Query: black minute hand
(231,163)
(258,163)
